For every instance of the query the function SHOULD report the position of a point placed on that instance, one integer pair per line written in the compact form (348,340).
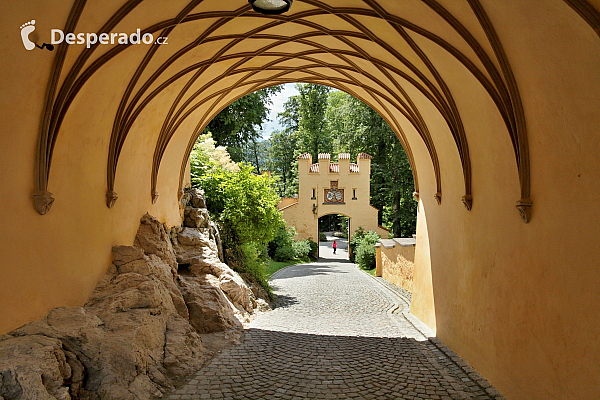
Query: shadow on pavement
(301,270)
(274,364)
(283,301)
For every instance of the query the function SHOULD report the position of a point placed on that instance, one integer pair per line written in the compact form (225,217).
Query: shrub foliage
(362,245)
(243,203)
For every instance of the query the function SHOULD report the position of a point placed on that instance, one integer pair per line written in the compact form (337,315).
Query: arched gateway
(332,188)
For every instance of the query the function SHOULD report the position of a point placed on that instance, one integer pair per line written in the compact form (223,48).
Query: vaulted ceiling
(390,54)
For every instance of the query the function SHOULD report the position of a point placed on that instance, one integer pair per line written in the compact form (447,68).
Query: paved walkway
(326,248)
(336,333)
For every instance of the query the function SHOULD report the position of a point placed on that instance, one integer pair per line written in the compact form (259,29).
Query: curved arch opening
(334,229)
(494,102)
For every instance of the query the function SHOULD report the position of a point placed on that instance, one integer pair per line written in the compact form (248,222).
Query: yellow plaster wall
(423,300)
(56,259)
(286,202)
(519,301)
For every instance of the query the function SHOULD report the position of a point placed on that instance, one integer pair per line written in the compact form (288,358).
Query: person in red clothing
(334,246)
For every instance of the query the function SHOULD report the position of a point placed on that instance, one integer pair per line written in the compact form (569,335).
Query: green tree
(358,128)
(282,161)
(257,153)
(241,121)
(313,136)
(290,117)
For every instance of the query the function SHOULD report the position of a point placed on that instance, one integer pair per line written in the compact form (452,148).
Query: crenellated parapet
(343,166)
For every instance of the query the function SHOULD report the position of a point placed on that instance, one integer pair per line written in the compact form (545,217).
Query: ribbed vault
(384,52)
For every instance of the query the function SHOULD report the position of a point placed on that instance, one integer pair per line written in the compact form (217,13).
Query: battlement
(363,164)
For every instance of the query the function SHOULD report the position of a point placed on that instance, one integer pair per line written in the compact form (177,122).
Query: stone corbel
(42,201)
(416,196)
(524,207)
(438,197)
(467,200)
(154,196)
(111,198)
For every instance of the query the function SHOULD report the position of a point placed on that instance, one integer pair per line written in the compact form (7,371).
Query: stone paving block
(333,335)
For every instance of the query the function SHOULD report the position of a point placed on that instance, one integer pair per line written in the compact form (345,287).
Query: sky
(289,90)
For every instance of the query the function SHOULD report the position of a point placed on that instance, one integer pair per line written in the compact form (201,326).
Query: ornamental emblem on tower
(333,194)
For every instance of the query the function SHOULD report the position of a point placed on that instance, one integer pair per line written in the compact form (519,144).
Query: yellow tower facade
(332,188)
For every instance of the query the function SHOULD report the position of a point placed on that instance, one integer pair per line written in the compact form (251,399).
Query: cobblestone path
(336,333)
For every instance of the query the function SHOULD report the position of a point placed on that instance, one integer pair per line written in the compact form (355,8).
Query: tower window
(354,194)
(314,197)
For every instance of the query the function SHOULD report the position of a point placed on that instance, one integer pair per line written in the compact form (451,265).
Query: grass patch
(274,266)
(370,271)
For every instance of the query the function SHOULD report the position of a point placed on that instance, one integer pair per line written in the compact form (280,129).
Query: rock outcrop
(142,329)
(153,238)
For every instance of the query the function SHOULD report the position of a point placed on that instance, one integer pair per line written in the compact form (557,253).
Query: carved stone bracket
(111,198)
(524,207)
(154,196)
(416,196)
(438,197)
(180,194)
(42,201)
(467,200)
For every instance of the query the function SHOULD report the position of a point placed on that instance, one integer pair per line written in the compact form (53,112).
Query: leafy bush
(301,249)
(284,253)
(255,264)
(284,238)
(243,203)
(245,200)
(314,247)
(283,247)
(366,256)
(362,245)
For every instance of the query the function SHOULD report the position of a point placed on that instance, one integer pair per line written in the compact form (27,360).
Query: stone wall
(395,261)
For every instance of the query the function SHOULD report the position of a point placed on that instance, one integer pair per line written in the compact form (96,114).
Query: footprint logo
(26,29)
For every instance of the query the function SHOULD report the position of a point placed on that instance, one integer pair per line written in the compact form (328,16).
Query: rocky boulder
(236,290)
(210,310)
(140,331)
(195,198)
(196,217)
(38,367)
(131,259)
(152,237)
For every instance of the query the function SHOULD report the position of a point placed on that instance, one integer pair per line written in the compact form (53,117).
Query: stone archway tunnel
(495,102)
